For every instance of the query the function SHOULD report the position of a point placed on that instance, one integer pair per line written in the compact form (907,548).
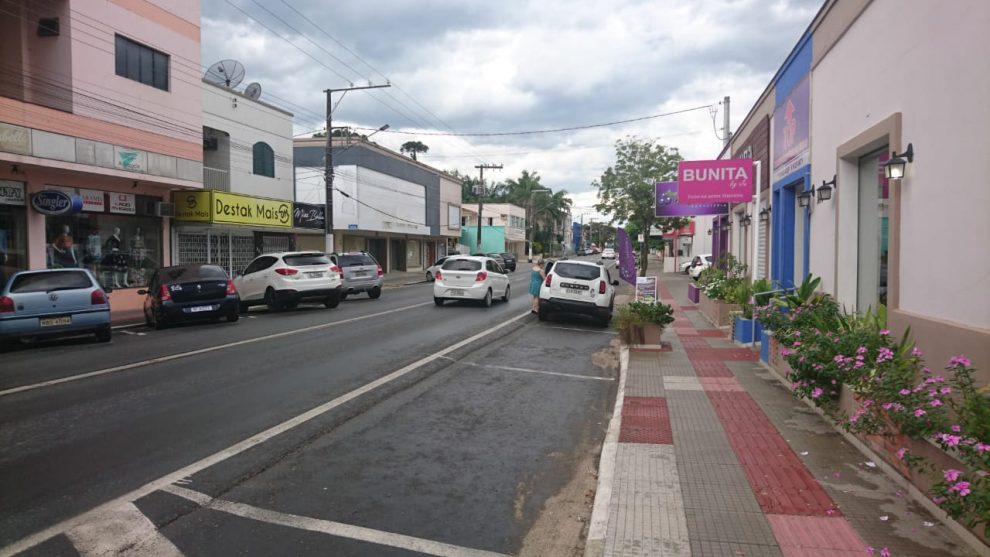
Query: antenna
(225,73)
(253,91)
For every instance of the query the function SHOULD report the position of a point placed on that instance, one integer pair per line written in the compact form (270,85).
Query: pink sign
(721,181)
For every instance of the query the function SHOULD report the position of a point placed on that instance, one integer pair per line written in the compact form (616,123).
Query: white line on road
(126,528)
(110,507)
(539,371)
(330,527)
(583,330)
(181,355)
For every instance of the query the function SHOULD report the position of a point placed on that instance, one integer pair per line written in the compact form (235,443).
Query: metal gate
(225,249)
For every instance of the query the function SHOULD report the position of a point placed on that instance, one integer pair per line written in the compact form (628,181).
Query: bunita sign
(52,202)
(719,181)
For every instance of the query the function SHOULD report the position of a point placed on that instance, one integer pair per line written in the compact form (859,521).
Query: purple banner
(667,205)
(627,261)
(791,122)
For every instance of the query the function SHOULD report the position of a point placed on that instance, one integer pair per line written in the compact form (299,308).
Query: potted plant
(643,322)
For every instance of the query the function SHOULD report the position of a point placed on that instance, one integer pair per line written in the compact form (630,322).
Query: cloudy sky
(467,66)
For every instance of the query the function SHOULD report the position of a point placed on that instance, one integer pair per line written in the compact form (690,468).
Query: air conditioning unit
(163,209)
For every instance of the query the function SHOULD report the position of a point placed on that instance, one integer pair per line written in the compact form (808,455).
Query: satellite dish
(253,91)
(225,73)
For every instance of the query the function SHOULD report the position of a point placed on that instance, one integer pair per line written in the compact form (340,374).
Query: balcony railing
(216,179)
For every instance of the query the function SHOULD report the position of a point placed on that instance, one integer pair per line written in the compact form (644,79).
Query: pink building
(100,117)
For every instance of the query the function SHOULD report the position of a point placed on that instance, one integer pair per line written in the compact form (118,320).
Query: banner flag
(627,261)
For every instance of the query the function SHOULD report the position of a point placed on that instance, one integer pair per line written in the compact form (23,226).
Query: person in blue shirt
(536,277)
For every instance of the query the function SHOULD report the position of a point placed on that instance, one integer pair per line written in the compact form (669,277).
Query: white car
(608,253)
(466,277)
(699,263)
(432,269)
(282,280)
(580,287)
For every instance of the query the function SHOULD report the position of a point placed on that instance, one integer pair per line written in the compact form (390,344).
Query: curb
(598,525)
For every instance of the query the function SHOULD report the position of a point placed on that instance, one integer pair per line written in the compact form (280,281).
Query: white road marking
(109,508)
(582,330)
(540,371)
(133,333)
(330,527)
(125,531)
(181,355)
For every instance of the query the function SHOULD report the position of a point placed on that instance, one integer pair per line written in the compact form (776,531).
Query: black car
(496,256)
(510,261)
(189,292)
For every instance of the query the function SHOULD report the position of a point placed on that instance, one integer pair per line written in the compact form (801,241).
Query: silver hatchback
(361,273)
(56,302)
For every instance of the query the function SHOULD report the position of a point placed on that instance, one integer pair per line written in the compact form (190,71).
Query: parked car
(686,265)
(464,277)
(497,257)
(362,273)
(608,253)
(578,287)
(700,263)
(55,302)
(283,280)
(191,292)
(510,261)
(432,269)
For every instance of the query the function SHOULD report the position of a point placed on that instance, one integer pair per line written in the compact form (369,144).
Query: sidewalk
(714,457)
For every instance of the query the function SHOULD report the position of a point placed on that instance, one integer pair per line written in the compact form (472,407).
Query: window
(307,259)
(264,160)
(355,260)
(577,271)
(462,265)
(47,282)
(122,251)
(140,63)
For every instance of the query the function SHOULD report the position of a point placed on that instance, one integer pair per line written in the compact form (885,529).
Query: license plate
(314,275)
(197,309)
(360,273)
(573,291)
(55,321)
(455,292)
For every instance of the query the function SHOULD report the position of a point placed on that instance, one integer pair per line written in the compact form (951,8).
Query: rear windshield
(355,260)
(46,282)
(461,265)
(172,275)
(306,259)
(508,256)
(575,271)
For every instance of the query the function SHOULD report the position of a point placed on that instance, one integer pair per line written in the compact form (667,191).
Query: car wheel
(375,292)
(290,305)
(343,296)
(438,301)
(233,317)
(604,320)
(159,322)
(271,300)
(429,276)
(147,319)
(103,335)
(331,301)
(243,307)
(505,297)
(488,299)
(543,313)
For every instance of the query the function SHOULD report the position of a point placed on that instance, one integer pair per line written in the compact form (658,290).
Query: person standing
(536,277)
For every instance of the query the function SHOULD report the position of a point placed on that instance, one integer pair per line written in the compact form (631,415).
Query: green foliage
(657,313)
(413,148)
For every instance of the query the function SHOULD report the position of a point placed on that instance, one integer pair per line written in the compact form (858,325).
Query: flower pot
(765,344)
(717,311)
(652,333)
(646,333)
(693,293)
(746,330)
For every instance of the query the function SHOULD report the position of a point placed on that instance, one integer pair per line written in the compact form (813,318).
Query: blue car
(51,303)
(190,292)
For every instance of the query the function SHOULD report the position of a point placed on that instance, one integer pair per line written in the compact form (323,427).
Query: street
(387,427)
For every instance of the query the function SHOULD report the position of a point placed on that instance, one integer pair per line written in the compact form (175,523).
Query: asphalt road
(417,425)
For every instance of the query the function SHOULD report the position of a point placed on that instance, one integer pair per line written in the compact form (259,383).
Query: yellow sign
(192,205)
(231,208)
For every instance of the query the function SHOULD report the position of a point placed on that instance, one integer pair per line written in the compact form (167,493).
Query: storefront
(115,235)
(228,229)
(13,228)
(310,223)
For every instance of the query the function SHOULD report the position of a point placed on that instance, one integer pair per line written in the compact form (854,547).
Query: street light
(530,214)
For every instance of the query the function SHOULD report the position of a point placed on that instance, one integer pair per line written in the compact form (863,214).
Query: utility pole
(328,158)
(481,196)
(725,124)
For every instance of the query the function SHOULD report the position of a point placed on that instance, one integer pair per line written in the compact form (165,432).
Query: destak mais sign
(231,208)
(719,181)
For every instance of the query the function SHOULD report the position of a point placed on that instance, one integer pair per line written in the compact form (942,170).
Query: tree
(413,147)
(627,191)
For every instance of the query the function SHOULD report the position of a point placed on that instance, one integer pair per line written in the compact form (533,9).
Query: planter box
(649,333)
(746,331)
(778,362)
(693,292)
(765,344)
(716,311)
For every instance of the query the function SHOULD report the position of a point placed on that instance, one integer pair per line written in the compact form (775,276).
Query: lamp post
(530,215)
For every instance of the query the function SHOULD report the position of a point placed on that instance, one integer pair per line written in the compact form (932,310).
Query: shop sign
(123,203)
(93,200)
(12,193)
(192,205)
(668,206)
(791,124)
(718,181)
(305,215)
(129,159)
(240,209)
(646,289)
(52,202)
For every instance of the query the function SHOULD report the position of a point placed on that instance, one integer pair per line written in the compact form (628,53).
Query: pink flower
(797,343)
(951,475)
(870,550)
(962,488)
(817,392)
(982,448)
(918,412)
(785,352)
(951,440)
(916,352)
(960,361)
(936,402)
(945,390)
(885,332)
(901,452)
(861,350)
(884,552)
(905,392)
(956,428)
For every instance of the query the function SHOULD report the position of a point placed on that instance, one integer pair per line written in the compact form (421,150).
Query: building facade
(100,117)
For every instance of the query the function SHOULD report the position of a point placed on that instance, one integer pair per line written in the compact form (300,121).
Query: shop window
(141,63)
(13,243)
(122,251)
(264,160)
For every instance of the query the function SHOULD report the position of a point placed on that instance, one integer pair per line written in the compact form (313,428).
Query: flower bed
(643,322)
(717,311)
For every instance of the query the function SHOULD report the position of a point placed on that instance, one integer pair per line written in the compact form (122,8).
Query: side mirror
(615,283)
(140,292)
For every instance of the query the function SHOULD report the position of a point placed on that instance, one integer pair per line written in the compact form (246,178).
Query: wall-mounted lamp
(894,168)
(135,184)
(804,198)
(825,192)
(765,214)
(727,225)
(744,220)
(709,231)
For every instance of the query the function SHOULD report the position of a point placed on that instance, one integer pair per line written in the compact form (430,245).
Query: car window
(461,265)
(576,271)
(191,273)
(306,259)
(48,281)
(355,259)
(708,258)
(439,261)
(260,264)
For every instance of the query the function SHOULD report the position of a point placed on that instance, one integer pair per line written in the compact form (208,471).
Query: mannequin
(116,261)
(138,253)
(94,246)
(114,241)
(62,245)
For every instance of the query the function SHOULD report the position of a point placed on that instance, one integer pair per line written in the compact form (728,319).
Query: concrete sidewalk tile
(721,384)
(682,383)
(711,368)
(704,548)
(644,385)
(713,333)
(710,473)
(725,497)
(725,526)
(645,407)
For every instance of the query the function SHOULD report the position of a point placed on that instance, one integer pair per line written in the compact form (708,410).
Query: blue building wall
(492,238)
